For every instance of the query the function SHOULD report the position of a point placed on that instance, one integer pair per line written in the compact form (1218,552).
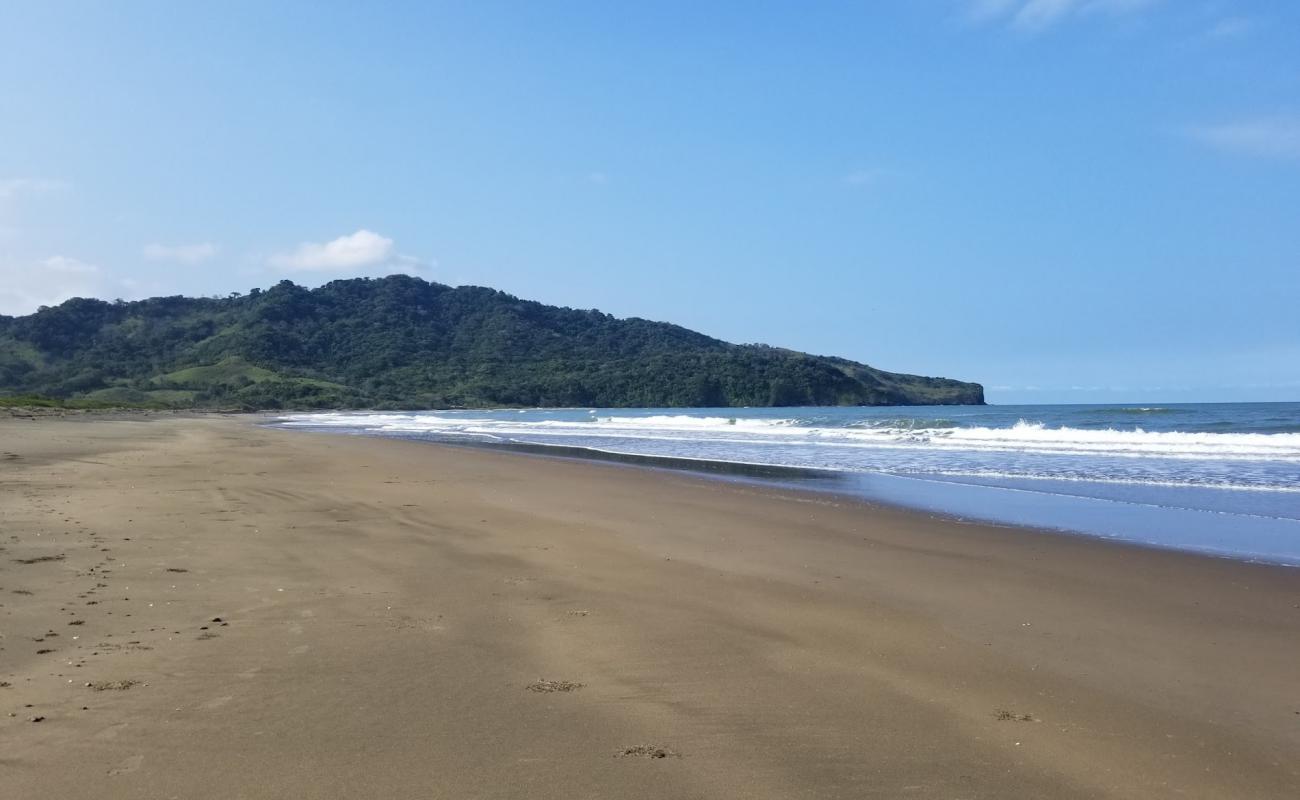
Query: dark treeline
(401,342)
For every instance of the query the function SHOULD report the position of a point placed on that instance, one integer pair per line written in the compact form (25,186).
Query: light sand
(401,620)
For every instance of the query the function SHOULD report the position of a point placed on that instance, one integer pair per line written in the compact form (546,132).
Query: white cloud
(180,253)
(1277,137)
(361,249)
(26,287)
(1038,15)
(361,252)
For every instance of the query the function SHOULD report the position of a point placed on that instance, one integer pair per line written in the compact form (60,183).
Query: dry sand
(202,608)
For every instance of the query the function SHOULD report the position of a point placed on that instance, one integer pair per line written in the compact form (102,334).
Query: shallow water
(1218,478)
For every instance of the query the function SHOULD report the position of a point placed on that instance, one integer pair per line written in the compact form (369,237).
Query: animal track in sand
(112,686)
(112,647)
(547,687)
(39,559)
(646,751)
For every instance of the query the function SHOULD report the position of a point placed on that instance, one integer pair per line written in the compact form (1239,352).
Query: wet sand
(203,608)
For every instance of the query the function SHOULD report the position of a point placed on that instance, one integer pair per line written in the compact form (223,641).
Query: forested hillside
(401,342)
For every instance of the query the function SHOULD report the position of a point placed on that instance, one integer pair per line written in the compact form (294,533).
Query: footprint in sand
(216,702)
(128,765)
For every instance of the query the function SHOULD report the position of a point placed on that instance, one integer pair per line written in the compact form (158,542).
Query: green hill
(400,342)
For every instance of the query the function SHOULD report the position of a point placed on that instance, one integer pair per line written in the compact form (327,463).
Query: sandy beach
(199,607)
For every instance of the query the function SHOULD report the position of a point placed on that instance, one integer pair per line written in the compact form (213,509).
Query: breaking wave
(1021,437)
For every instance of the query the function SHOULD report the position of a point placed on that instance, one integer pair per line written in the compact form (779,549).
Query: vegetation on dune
(400,342)
(21,401)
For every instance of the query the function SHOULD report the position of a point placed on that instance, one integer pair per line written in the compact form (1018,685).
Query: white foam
(1026,437)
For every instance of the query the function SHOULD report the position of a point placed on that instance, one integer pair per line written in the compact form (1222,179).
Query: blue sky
(1067,200)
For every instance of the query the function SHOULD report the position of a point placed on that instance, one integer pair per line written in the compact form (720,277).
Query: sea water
(1221,478)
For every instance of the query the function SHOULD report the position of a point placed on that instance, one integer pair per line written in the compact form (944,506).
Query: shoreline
(929,501)
(386,606)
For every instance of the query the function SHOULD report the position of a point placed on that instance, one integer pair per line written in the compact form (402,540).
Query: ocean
(1216,478)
